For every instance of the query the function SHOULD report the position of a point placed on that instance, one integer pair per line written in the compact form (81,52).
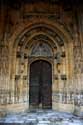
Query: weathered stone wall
(60,27)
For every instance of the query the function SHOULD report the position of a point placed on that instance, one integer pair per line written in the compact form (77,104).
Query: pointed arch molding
(56,35)
(55,32)
(29,31)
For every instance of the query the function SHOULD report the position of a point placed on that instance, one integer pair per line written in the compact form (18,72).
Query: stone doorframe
(49,60)
(55,37)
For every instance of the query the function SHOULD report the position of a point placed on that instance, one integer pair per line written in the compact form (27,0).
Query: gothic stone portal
(40,89)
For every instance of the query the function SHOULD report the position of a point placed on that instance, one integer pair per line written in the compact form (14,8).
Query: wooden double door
(40,88)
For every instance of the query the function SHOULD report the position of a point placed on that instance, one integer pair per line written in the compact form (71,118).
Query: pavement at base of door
(41,117)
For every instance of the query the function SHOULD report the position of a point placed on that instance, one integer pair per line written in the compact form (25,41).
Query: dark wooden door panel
(47,86)
(40,90)
(34,95)
(34,85)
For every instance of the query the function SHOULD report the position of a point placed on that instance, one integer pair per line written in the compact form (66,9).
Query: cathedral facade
(41,57)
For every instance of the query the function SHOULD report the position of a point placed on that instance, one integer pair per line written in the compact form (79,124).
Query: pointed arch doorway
(40,88)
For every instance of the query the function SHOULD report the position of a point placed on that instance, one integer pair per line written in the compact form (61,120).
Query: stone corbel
(18,54)
(25,77)
(58,57)
(25,56)
(17,77)
(56,77)
(63,54)
(63,77)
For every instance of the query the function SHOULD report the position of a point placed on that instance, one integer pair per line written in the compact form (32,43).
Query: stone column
(55,85)
(28,82)
(77,62)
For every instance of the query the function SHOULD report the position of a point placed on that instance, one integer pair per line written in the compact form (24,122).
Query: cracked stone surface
(42,117)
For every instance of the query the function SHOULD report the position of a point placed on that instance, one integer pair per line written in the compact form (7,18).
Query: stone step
(44,122)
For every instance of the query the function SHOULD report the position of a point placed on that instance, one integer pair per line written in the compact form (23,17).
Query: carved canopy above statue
(41,49)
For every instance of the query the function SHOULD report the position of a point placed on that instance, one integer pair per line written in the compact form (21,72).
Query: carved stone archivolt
(40,35)
(40,42)
(39,29)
